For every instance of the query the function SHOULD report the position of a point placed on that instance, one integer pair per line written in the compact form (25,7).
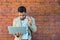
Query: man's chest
(22,23)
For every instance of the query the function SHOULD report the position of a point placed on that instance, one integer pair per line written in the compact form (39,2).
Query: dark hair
(22,9)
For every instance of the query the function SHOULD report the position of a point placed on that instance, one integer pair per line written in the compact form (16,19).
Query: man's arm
(32,25)
(14,23)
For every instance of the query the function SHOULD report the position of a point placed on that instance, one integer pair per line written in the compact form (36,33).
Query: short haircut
(22,9)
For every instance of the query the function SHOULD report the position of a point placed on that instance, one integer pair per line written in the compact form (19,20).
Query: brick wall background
(46,13)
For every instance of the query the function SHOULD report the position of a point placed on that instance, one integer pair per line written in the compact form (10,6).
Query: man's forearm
(32,28)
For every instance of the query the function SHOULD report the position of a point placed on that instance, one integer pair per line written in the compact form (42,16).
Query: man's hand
(18,34)
(29,21)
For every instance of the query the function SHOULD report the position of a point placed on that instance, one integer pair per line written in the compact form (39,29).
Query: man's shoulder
(16,18)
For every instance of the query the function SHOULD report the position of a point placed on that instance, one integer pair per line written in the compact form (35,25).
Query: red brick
(3,1)
(46,13)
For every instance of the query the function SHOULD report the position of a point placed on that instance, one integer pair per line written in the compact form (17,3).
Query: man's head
(22,12)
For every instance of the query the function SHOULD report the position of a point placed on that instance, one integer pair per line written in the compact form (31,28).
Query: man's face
(22,15)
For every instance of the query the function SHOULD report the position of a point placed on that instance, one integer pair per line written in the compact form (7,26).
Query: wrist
(29,24)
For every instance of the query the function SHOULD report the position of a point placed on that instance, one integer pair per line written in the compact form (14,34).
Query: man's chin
(22,18)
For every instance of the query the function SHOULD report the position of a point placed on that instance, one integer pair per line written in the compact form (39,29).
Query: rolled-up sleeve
(33,25)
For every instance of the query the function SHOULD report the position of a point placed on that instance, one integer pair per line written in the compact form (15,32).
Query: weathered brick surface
(46,13)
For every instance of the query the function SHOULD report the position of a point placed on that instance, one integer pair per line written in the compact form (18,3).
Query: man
(23,20)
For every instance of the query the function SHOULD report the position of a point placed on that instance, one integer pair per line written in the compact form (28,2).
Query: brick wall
(46,13)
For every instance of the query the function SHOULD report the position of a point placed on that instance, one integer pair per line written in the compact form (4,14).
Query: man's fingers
(18,34)
(29,19)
